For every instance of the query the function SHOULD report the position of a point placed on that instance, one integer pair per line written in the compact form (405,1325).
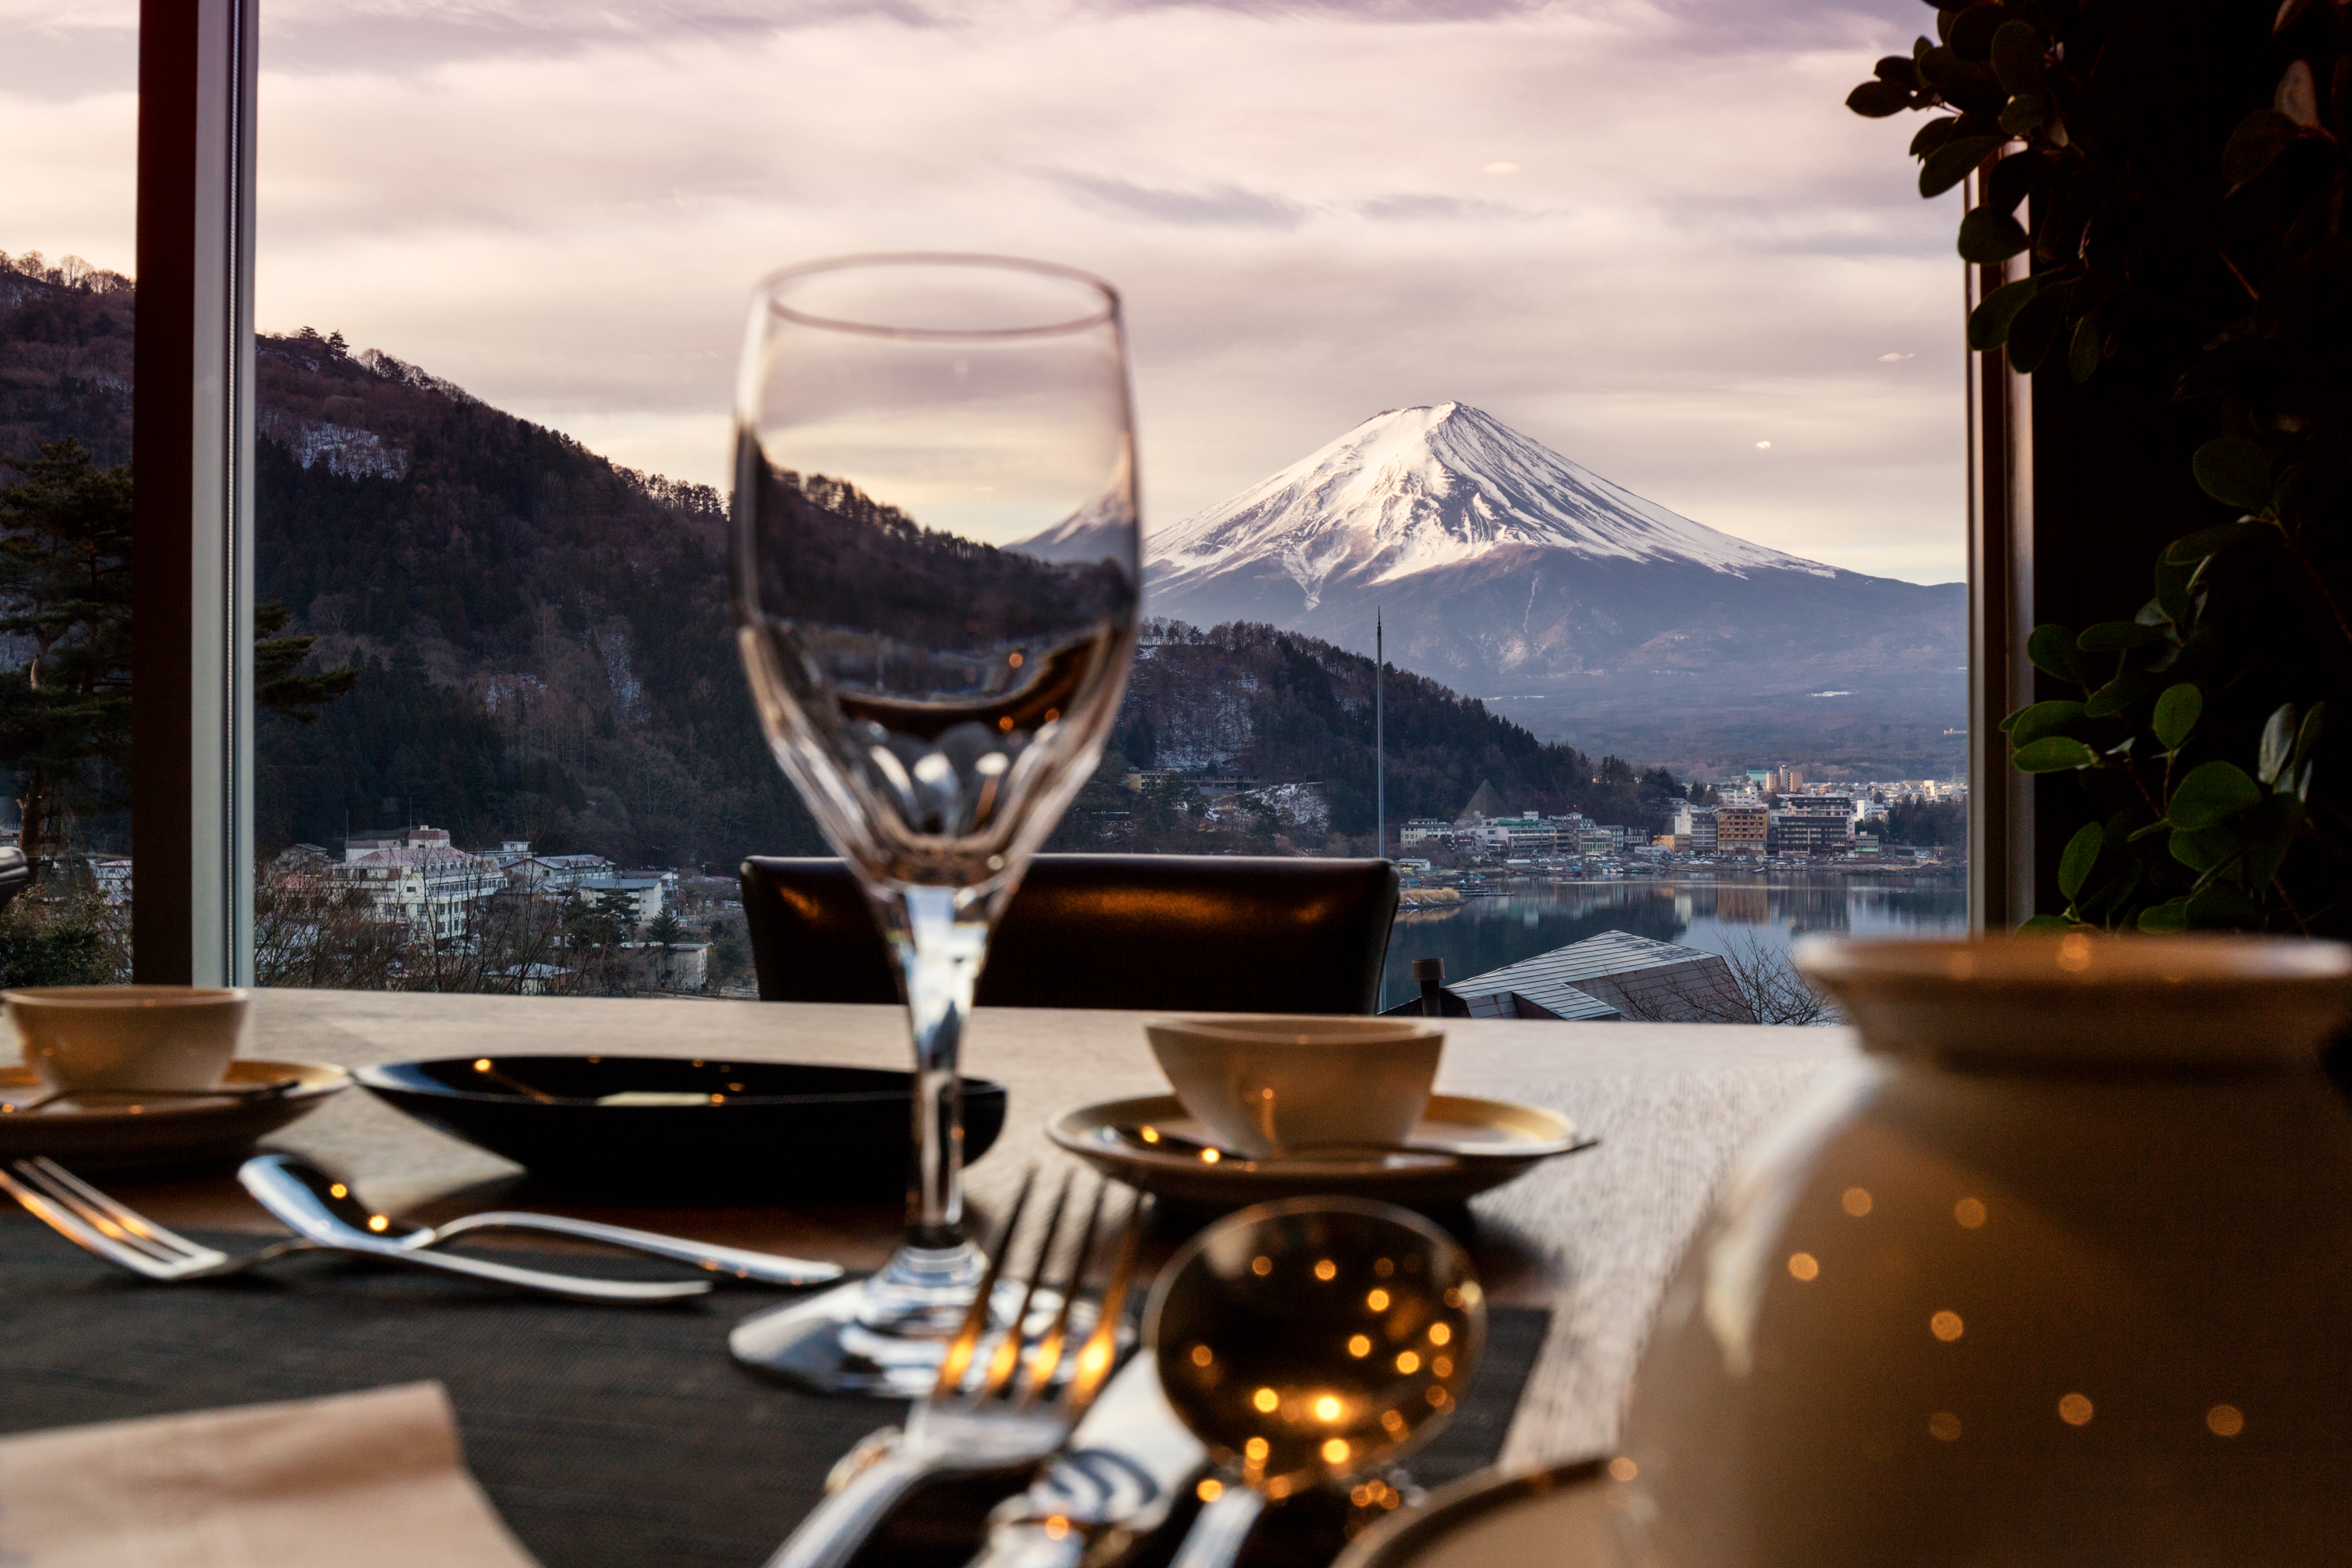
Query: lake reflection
(1535,917)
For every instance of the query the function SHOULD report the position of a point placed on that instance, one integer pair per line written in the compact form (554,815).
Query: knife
(1124,1470)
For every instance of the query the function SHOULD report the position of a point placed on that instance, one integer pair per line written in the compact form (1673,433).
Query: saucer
(1563,1514)
(1482,1143)
(116,1132)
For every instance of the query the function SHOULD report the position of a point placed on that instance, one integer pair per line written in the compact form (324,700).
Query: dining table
(1589,1238)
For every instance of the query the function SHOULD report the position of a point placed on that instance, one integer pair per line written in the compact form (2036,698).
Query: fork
(1011,1414)
(124,1236)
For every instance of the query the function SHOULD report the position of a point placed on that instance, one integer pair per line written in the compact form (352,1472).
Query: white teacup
(127,1036)
(1265,1084)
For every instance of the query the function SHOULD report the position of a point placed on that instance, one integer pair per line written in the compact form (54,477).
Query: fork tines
(1022,1368)
(82,1214)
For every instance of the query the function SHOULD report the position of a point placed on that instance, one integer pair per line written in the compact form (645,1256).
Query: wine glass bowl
(937,583)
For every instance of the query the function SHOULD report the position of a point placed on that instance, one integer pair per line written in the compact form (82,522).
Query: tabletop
(1593,1238)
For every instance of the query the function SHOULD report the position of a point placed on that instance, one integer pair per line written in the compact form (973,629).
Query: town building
(418,880)
(1612,977)
(1742,829)
(1425,830)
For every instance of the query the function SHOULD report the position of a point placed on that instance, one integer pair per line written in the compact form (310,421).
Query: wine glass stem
(940,947)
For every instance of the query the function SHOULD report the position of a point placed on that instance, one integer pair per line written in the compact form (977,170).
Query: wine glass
(936,582)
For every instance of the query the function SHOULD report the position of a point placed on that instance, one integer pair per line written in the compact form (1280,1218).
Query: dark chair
(1194,934)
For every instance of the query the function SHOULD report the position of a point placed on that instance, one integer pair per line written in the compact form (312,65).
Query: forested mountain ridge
(544,637)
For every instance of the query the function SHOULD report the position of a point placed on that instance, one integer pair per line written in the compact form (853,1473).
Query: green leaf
(1989,323)
(2054,754)
(2212,792)
(2035,328)
(2017,58)
(2265,856)
(2278,743)
(1933,135)
(2221,904)
(2050,649)
(2085,349)
(2306,740)
(2201,851)
(2234,470)
(1988,236)
(2169,916)
(2031,724)
(2081,853)
(2015,178)
(2150,831)
(2255,145)
(1900,69)
(1973,31)
(2171,601)
(2023,114)
(2206,542)
(2176,714)
(2133,686)
(2046,925)
(1878,99)
(1953,161)
(2118,636)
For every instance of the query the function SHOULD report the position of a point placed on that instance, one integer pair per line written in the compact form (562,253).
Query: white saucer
(1566,1515)
(114,1132)
(1486,1142)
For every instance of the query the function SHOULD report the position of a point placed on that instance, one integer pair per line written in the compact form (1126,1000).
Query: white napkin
(358,1480)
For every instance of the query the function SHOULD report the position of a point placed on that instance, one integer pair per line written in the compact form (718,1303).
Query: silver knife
(1125,1467)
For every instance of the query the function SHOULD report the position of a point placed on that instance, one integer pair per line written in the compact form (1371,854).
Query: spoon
(1306,1341)
(1159,1140)
(276,1089)
(303,1196)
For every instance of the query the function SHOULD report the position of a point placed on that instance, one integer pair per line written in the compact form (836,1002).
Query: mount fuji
(1504,568)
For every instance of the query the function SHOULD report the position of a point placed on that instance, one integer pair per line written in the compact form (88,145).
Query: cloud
(1223,206)
(561,205)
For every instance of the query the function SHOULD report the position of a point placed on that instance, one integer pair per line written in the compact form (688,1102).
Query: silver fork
(1012,1414)
(124,1236)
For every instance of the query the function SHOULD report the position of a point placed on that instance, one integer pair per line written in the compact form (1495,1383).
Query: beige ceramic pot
(2060,1273)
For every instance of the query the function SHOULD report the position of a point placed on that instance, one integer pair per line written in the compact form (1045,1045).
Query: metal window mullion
(192,566)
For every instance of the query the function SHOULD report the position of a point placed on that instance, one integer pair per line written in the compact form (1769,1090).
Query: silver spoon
(303,1196)
(1158,1139)
(1306,1341)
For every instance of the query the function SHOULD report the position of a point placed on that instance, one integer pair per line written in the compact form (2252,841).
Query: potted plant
(2177,173)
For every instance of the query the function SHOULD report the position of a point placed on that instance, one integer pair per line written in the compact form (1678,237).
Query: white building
(646,893)
(420,881)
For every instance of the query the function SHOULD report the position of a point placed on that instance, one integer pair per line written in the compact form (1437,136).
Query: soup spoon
(315,1202)
(1308,1340)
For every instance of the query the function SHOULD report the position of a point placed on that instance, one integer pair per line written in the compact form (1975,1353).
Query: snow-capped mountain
(1504,566)
(1416,489)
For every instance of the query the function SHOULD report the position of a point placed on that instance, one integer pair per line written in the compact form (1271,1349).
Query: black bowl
(751,1130)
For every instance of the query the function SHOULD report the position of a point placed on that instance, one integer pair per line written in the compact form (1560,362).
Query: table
(1593,1238)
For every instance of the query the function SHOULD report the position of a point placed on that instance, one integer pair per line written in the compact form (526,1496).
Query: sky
(1646,233)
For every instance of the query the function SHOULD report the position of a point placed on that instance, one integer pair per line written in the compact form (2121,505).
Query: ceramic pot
(2060,1271)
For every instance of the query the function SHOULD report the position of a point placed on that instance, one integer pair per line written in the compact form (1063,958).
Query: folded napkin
(355,1480)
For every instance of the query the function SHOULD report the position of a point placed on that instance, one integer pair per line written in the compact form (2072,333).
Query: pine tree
(65,583)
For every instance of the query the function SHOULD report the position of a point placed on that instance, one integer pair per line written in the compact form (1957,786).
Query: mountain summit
(1412,490)
(1503,567)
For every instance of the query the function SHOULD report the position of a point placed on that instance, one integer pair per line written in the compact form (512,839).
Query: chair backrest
(1196,933)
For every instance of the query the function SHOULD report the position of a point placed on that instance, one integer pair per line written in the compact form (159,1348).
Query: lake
(1533,917)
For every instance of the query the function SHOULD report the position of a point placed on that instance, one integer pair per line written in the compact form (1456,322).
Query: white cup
(127,1036)
(1265,1084)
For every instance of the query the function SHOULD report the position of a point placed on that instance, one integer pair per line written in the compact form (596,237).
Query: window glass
(1596,349)
(69,117)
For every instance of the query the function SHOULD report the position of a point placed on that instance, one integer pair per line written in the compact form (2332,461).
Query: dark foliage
(2184,173)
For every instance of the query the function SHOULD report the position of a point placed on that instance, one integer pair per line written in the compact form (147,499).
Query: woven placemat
(609,1438)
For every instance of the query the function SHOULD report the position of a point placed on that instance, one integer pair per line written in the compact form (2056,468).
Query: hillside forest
(542,644)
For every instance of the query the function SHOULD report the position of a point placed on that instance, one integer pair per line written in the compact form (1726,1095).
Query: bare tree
(1771,992)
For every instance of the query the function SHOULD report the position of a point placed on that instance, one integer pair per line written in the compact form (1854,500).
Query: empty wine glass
(935,549)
